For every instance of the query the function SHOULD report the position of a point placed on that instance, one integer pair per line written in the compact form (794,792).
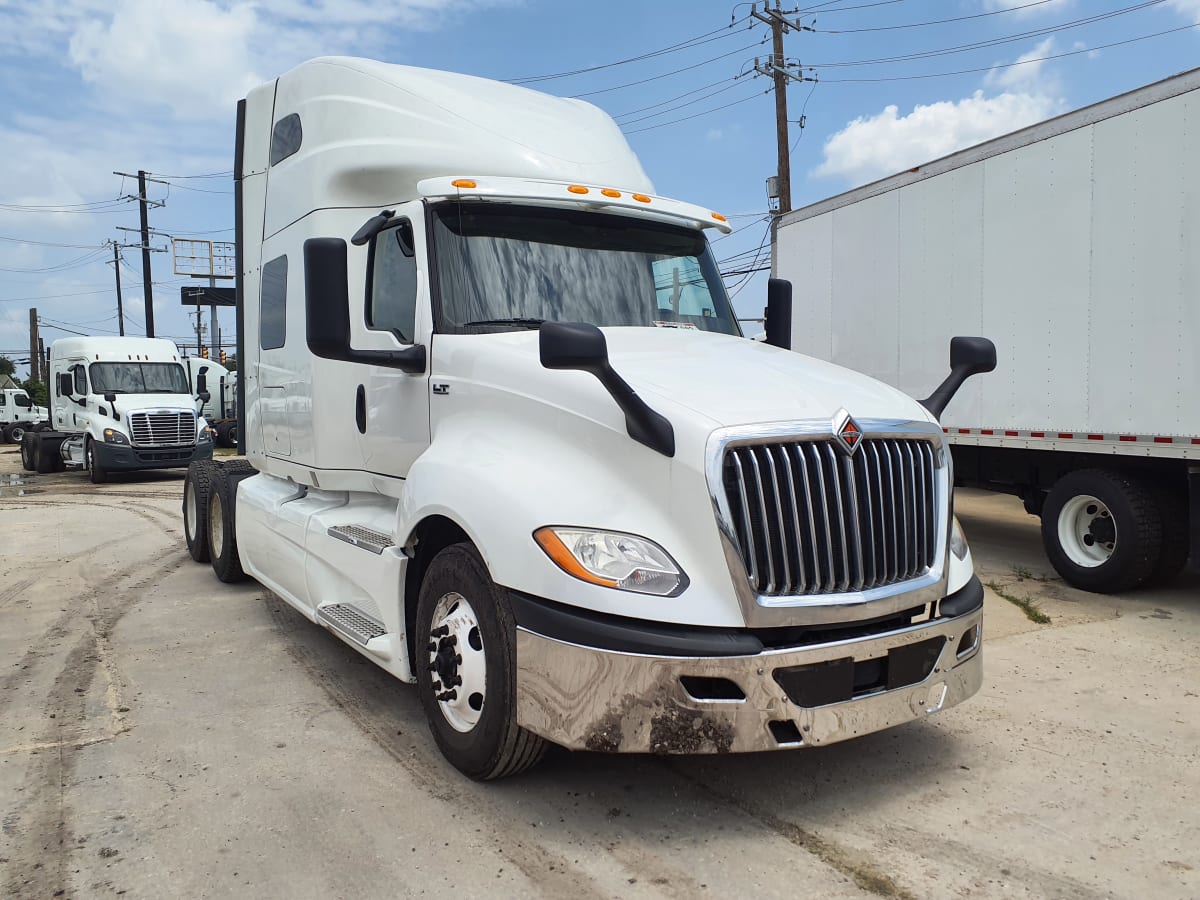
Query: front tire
(92,464)
(196,487)
(465,660)
(1102,530)
(29,453)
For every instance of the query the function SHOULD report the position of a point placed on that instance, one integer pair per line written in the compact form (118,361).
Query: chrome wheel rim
(216,526)
(1087,531)
(189,510)
(457,662)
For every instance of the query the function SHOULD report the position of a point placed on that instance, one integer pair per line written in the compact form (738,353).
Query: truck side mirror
(778,314)
(327,312)
(202,384)
(968,356)
(66,384)
(569,345)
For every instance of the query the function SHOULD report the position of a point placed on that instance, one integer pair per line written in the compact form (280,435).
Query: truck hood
(713,379)
(134,402)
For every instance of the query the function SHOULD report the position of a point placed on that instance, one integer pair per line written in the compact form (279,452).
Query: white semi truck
(220,410)
(1074,242)
(18,414)
(118,404)
(505,439)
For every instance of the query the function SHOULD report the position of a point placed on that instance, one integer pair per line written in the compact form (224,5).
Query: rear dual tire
(220,526)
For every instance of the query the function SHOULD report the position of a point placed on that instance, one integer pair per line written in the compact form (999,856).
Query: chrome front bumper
(590,699)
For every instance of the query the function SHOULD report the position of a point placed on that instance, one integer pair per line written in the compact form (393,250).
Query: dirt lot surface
(164,735)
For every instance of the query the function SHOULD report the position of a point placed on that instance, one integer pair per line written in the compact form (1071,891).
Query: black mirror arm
(372,227)
(644,425)
(968,356)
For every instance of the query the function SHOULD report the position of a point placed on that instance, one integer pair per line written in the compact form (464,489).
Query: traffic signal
(222,357)
(204,353)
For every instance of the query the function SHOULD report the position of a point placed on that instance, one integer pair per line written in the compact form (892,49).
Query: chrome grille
(810,520)
(168,428)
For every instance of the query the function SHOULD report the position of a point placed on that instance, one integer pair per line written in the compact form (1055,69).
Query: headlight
(611,559)
(958,543)
(112,436)
(206,433)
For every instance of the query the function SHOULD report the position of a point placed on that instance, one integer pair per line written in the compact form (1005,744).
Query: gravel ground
(162,734)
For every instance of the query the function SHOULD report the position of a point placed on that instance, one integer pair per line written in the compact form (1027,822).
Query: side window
(392,305)
(272,306)
(3,399)
(80,380)
(286,138)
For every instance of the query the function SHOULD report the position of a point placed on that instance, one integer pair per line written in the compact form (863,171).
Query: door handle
(360,409)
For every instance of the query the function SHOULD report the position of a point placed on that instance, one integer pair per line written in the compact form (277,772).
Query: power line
(994,12)
(671,109)
(662,75)
(15,240)
(1020,62)
(228,173)
(699,114)
(688,44)
(991,42)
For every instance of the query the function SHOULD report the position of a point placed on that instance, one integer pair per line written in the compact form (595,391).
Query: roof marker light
(577,189)
(641,198)
(719,217)
(609,192)
(463,183)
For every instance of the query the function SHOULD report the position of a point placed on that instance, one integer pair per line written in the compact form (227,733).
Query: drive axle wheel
(466,668)
(1102,530)
(195,509)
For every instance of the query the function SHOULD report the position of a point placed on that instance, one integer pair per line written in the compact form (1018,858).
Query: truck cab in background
(18,414)
(220,410)
(118,404)
(504,437)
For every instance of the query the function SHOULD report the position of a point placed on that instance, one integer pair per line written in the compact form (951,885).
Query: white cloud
(1023,8)
(1189,8)
(1025,71)
(189,55)
(871,147)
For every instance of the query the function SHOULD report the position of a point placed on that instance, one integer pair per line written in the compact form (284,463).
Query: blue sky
(93,86)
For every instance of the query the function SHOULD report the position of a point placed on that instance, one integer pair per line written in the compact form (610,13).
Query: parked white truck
(508,442)
(220,410)
(1074,242)
(118,404)
(18,413)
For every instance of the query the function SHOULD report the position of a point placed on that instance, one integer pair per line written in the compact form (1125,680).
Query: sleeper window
(393,302)
(272,325)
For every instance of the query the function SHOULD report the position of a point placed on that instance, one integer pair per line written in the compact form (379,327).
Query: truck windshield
(138,378)
(502,266)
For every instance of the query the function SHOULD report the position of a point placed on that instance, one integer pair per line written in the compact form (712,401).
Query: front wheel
(1102,530)
(95,469)
(465,660)
(15,433)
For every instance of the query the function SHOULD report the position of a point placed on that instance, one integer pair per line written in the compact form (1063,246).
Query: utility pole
(777,69)
(143,206)
(117,273)
(45,360)
(35,355)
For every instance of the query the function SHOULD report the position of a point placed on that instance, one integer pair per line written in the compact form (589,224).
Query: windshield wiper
(528,323)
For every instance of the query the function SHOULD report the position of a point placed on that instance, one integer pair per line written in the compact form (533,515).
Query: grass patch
(1029,575)
(1025,604)
(225,451)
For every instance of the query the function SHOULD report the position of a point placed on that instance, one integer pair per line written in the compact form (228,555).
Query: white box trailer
(1073,244)
(497,439)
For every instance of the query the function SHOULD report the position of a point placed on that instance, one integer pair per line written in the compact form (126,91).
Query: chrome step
(351,621)
(375,541)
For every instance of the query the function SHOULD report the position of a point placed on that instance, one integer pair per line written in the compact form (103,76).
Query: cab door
(392,406)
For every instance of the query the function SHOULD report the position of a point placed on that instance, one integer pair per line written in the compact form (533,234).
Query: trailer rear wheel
(195,509)
(1102,530)
(465,663)
(1176,534)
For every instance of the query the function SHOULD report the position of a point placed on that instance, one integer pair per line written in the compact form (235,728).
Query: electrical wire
(15,240)
(660,76)
(671,109)
(226,174)
(991,42)
(705,87)
(82,260)
(699,114)
(1020,62)
(994,12)
(698,40)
